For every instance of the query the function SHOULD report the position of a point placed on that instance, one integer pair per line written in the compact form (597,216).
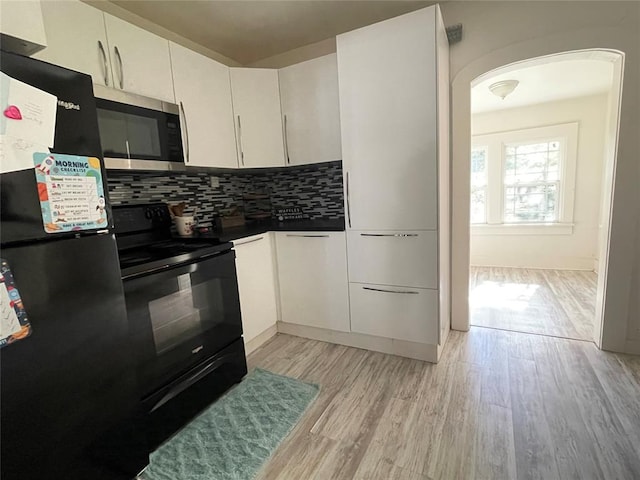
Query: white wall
(577,250)
(501,33)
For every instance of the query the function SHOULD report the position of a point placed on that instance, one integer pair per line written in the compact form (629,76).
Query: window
(531,182)
(479,185)
(524,177)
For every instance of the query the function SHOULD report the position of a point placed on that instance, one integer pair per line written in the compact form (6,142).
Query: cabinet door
(311,111)
(22,27)
(388,116)
(140,60)
(403,313)
(256,284)
(203,91)
(256,105)
(312,270)
(76,39)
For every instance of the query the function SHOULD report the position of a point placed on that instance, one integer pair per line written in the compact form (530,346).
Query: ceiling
(567,76)
(248,31)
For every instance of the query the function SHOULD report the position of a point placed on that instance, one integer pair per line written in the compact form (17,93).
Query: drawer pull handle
(397,235)
(406,292)
(308,236)
(286,141)
(240,141)
(249,241)
(119,58)
(348,202)
(186,130)
(105,68)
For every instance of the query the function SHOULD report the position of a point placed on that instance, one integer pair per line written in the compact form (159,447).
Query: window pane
(530,203)
(479,166)
(479,205)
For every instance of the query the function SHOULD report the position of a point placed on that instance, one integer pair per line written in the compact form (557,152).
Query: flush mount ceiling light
(503,88)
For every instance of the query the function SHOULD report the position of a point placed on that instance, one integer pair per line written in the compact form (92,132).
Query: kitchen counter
(235,233)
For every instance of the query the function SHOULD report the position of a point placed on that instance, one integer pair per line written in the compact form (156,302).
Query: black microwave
(138,133)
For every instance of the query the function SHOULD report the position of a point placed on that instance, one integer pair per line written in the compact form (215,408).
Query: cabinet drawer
(408,258)
(409,314)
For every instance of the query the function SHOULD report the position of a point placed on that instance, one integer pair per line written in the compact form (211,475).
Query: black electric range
(184,316)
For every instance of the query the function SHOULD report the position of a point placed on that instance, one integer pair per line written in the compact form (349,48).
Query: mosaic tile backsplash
(315,189)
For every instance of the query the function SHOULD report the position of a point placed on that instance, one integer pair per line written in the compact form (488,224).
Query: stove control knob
(148,214)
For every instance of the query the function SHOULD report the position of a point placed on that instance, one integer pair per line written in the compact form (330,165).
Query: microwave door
(139,138)
(113,133)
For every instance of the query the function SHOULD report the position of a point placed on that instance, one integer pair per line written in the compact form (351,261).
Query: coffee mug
(185,225)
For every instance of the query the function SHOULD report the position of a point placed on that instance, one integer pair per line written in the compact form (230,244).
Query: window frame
(496,143)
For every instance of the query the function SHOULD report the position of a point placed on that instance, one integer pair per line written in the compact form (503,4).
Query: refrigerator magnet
(14,324)
(71,192)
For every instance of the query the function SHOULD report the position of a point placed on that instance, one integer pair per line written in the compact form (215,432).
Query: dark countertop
(235,233)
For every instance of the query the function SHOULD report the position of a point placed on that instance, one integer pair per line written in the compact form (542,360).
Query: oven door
(181,315)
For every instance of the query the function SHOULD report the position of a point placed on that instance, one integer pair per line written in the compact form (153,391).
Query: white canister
(185,225)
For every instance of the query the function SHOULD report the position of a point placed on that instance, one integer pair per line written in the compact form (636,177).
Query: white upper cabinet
(115,53)
(203,92)
(22,27)
(388,116)
(311,111)
(140,60)
(258,122)
(76,39)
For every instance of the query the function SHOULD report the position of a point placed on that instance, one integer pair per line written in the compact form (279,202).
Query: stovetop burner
(145,239)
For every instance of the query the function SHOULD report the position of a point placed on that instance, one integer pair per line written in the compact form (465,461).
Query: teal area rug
(237,434)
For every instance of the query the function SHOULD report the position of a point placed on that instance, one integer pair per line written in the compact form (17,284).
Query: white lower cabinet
(312,273)
(256,284)
(402,313)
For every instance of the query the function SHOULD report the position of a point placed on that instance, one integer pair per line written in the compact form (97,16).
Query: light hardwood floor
(499,405)
(547,302)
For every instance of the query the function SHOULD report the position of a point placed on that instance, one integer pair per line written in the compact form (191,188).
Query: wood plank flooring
(548,302)
(499,405)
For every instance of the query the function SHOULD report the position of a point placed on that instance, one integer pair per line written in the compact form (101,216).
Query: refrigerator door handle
(119,58)
(105,67)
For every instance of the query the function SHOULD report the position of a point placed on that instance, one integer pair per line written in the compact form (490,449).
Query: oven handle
(170,266)
(181,386)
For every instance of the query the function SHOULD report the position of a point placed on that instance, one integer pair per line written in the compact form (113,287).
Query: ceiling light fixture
(503,88)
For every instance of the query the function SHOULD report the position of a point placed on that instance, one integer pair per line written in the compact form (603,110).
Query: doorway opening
(544,135)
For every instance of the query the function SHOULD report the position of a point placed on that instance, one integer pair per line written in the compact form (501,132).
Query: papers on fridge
(27,123)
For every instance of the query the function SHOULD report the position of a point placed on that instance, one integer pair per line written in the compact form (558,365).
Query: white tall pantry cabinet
(394,100)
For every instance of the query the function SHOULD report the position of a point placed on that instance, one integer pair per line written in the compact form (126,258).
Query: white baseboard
(632,347)
(402,348)
(257,341)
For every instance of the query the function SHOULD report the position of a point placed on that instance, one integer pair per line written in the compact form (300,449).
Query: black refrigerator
(68,391)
